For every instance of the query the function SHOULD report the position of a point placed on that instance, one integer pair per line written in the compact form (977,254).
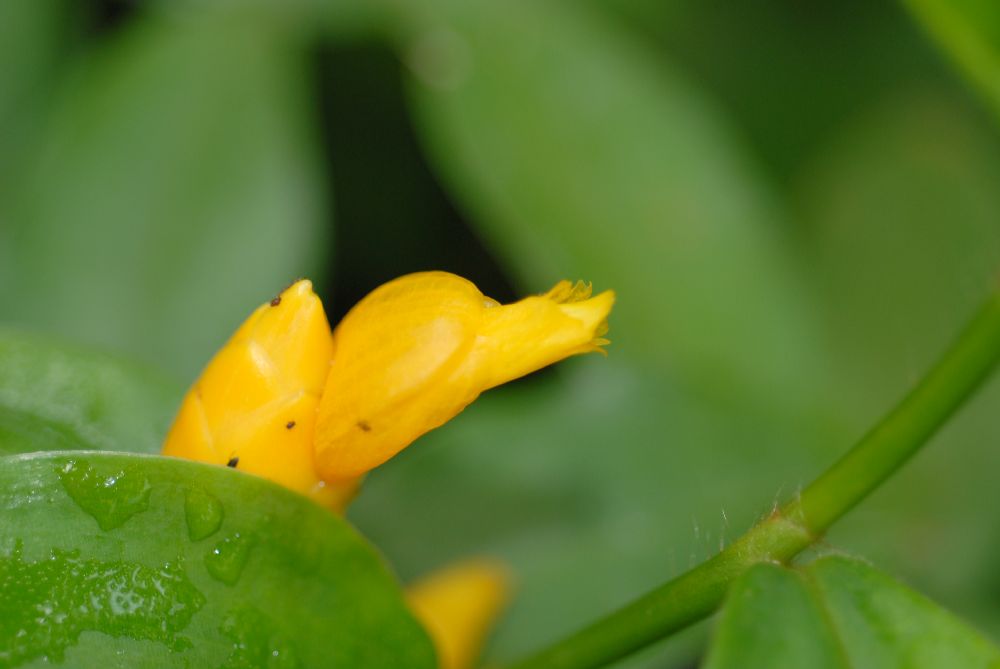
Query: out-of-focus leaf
(839,612)
(789,74)
(907,188)
(176,185)
(139,561)
(903,209)
(582,154)
(969,32)
(58,397)
(33,33)
(343,20)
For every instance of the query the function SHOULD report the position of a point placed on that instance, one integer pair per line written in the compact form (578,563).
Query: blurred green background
(797,202)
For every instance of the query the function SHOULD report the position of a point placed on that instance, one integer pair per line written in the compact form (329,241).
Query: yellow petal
(419,349)
(458,606)
(254,406)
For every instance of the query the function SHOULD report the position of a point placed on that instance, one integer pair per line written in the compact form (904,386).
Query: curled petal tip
(567,291)
(592,312)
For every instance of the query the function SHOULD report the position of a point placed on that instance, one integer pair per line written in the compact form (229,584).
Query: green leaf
(582,154)
(839,612)
(772,618)
(969,32)
(140,561)
(175,189)
(55,397)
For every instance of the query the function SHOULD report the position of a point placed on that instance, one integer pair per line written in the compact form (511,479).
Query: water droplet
(110,494)
(256,643)
(46,605)
(225,562)
(203,512)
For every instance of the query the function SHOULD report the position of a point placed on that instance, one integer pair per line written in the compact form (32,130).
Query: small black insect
(289,425)
(233,462)
(276,301)
(365,427)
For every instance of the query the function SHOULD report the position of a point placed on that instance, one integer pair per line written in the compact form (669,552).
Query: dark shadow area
(106,16)
(391,216)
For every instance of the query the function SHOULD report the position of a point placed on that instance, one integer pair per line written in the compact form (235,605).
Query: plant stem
(881,452)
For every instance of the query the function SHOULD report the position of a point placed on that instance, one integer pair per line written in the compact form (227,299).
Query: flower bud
(254,406)
(286,401)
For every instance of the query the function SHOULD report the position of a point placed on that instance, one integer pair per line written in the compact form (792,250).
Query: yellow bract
(457,606)
(254,406)
(285,400)
(419,349)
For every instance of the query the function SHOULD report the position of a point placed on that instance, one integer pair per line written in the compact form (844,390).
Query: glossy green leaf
(175,188)
(839,612)
(55,397)
(581,154)
(140,561)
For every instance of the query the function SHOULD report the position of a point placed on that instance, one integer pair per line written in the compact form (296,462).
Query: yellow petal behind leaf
(458,606)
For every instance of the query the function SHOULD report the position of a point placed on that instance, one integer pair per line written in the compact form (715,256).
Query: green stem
(697,593)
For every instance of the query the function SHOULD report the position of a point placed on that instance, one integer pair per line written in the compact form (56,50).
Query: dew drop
(111,494)
(203,513)
(225,562)
(46,605)
(256,642)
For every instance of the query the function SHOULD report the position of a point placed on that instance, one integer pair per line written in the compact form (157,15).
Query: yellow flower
(285,400)
(457,606)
